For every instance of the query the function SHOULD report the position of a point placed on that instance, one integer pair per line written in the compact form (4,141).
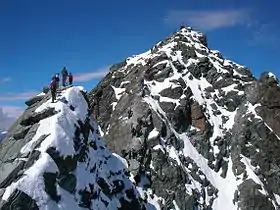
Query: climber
(70,78)
(53,87)
(56,79)
(64,73)
(182,27)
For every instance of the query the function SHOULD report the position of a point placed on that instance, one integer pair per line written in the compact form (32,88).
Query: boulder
(34,100)
(19,201)
(198,118)
(174,93)
(35,117)
(46,90)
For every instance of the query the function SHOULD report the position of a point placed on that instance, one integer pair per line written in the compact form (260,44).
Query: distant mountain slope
(2,135)
(199,131)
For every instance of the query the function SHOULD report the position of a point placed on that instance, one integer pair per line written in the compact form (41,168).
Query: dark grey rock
(251,198)
(268,80)
(34,156)
(68,183)
(117,66)
(174,93)
(179,66)
(105,187)
(34,100)
(161,75)
(12,148)
(187,53)
(50,180)
(19,201)
(21,132)
(65,164)
(35,117)
(223,83)
(46,90)
(9,172)
(203,39)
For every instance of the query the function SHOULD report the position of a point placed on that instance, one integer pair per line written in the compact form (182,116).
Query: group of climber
(55,82)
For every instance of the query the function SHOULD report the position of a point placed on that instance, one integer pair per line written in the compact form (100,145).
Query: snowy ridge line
(98,163)
(193,41)
(32,183)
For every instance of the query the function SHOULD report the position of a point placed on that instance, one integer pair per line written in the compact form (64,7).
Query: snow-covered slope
(65,165)
(197,131)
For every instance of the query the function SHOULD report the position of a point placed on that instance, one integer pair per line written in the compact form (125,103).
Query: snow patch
(277,197)
(251,175)
(121,159)
(252,110)
(114,104)
(118,92)
(41,94)
(270,74)
(153,134)
(124,83)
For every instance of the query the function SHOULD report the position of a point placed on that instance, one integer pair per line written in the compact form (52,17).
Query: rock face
(53,158)
(198,131)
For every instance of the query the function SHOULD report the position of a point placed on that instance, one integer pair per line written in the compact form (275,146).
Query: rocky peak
(197,130)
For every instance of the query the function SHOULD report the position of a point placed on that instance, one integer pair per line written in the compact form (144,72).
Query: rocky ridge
(197,130)
(53,158)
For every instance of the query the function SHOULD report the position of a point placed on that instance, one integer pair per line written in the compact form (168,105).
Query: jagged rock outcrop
(53,158)
(197,130)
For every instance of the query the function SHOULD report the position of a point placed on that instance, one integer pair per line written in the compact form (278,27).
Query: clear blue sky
(37,38)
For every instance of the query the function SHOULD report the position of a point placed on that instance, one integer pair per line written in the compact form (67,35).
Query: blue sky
(39,37)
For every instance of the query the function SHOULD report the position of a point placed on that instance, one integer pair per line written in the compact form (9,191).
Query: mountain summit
(179,127)
(198,131)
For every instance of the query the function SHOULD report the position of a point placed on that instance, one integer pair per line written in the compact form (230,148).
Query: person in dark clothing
(64,73)
(70,78)
(182,26)
(53,87)
(56,79)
